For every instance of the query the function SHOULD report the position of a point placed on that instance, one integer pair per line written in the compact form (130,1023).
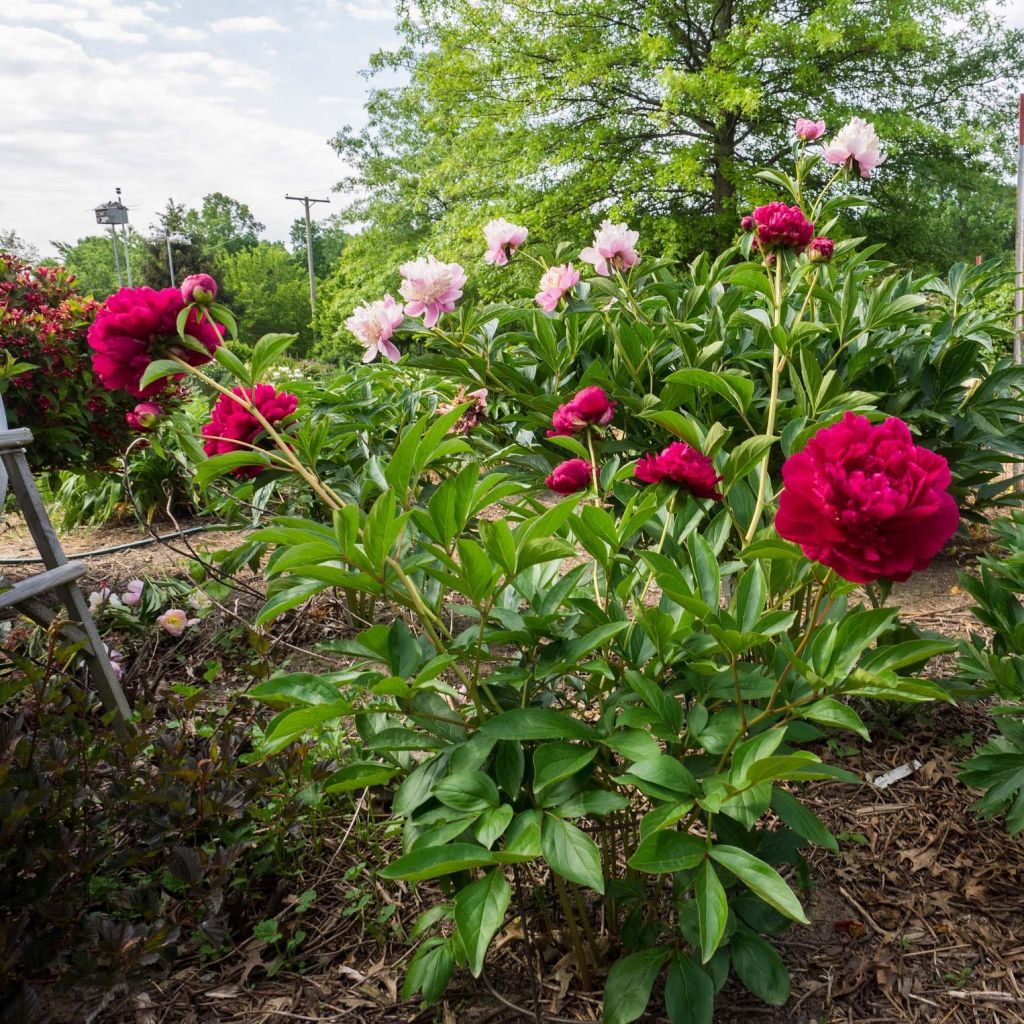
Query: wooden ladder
(59,577)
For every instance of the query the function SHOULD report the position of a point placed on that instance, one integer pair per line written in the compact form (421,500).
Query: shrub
(43,322)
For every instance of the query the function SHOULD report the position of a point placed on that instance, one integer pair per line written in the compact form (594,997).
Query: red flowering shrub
(232,428)
(866,501)
(77,424)
(136,326)
(683,465)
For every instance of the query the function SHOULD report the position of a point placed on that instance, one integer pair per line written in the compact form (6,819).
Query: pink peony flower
(472,416)
(199,288)
(747,223)
(782,226)
(503,239)
(590,407)
(570,476)
(133,593)
(554,283)
(808,130)
(820,250)
(683,465)
(856,144)
(144,416)
(430,288)
(866,501)
(175,621)
(613,244)
(137,325)
(230,423)
(373,324)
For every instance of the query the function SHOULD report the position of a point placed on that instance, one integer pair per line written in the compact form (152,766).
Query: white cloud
(371,10)
(245,24)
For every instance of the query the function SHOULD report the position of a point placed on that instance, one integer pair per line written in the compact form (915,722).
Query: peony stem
(669,516)
(778,361)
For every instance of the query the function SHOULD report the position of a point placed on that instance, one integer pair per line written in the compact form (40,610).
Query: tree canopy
(659,111)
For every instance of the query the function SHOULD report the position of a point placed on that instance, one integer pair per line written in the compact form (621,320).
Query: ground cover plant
(612,558)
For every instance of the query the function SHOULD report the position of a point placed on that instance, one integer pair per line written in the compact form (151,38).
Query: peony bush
(607,599)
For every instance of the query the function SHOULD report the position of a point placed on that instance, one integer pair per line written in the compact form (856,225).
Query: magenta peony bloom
(856,144)
(821,249)
(430,288)
(230,423)
(613,244)
(554,283)
(866,501)
(782,226)
(144,416)
(591,407)
(503,239)
(683,465)
(570,476)
(175,621)
(808,130)
(137,325)
(472,416)
(373,324)
(199,288)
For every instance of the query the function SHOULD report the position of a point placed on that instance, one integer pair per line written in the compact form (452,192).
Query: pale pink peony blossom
(133,593)
(554,283)
(175,621)
(808,130)
(614,244)
(503,239)
(373,324)
(430,288)
(858,144)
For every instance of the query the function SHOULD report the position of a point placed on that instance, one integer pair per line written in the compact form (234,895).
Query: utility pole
(305,200)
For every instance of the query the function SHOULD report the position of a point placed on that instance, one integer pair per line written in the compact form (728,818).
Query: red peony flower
(144,416)
(782,226)
(136,326)
(821,249)
(866,501)
(590,407)
(230,423)
(198,288)
(683,465)
(747,223)
(570,476)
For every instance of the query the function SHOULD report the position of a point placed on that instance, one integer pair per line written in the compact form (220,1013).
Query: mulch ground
(920,918)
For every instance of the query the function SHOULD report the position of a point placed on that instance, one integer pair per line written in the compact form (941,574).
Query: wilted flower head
(554,283)
(132,593)
(98,598)
(866,501)
(503,239)
(373,324)
(175,621)
(144,416)
(808,130)
(589,407)
(199,288)
(821,249)
(232,428)
(614,244)
(472,416)
(430,288)
(856,144)
(570,476)
(137,325)
(782,226)
(683,465)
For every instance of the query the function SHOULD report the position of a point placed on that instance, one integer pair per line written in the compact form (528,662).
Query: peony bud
(808,130)
(199,288)
(820,250)
(144,416)
(747,224)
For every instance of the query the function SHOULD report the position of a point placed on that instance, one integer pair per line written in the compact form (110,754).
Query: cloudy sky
(176,98)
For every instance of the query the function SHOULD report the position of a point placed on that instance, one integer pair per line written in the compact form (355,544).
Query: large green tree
(554,112)
(91,260)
